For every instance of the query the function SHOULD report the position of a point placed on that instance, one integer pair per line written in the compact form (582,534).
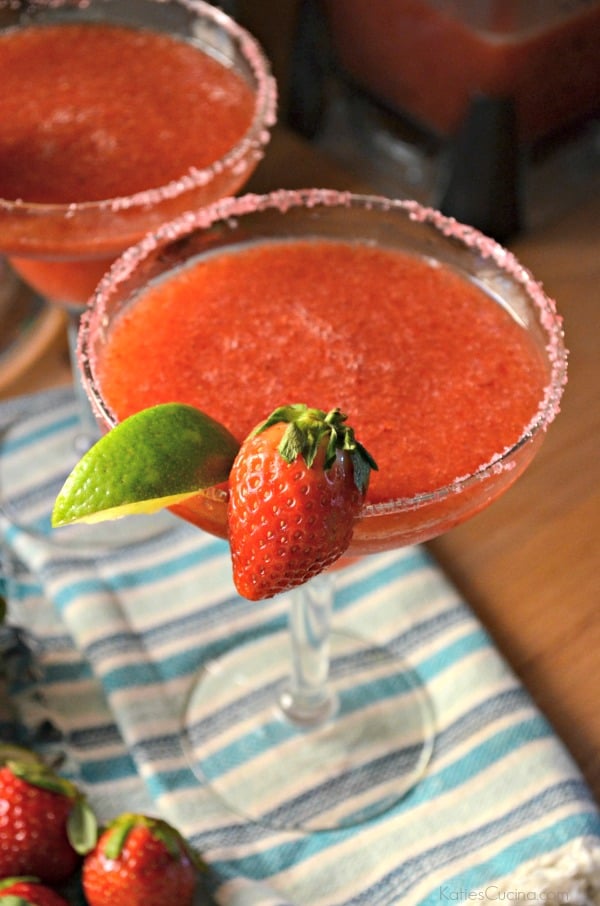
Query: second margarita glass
(61,224)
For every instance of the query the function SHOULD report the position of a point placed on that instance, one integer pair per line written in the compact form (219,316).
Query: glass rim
(256,136)
(470,238)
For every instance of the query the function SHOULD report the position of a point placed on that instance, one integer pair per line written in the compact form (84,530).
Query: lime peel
(153,459)
(132,509)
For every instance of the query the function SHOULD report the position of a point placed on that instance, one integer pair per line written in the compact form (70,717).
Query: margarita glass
(117,115)
(296,238)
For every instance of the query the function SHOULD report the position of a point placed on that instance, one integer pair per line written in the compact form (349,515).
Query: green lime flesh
(151,460)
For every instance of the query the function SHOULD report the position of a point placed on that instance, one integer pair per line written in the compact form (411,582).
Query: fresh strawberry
(295,488)
(28,892)
(140,861)
(45,823)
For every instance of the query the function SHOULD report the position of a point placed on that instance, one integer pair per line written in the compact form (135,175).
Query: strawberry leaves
(306,427)
(82,827)
(121,827)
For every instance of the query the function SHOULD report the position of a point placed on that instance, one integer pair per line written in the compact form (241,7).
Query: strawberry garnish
(296,487)
(28,892)
(45,822)
(140,861)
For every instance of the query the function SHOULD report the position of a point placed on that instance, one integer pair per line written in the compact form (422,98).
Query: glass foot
(369,748)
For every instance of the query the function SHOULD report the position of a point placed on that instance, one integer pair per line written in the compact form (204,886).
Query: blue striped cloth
(121,631)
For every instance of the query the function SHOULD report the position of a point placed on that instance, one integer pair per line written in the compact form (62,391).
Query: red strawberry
(295,488)
(45,822)
(140,861)
(29,892)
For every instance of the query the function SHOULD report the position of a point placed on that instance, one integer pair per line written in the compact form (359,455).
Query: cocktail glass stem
(88,431)
(306,698)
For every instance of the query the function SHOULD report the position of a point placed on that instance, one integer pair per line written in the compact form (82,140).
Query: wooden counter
(530,564)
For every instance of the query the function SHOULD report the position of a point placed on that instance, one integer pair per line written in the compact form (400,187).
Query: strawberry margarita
(107,128)
(447,358)
(443,351)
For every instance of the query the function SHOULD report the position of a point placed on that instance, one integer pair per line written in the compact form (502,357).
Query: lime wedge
(152,459)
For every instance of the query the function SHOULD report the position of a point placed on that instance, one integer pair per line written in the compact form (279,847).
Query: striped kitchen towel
(121,629)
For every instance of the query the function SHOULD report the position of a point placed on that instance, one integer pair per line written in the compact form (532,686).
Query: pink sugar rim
(283,199)
(254,139)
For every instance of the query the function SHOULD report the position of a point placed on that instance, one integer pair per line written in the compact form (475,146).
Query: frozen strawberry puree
(435,375)
(89,112)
